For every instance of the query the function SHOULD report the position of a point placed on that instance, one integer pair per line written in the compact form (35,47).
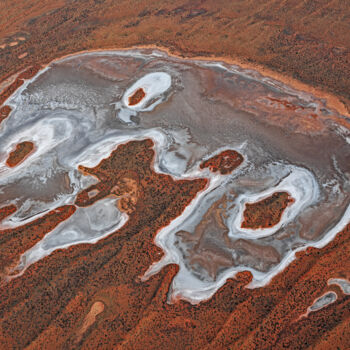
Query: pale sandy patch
(25,54)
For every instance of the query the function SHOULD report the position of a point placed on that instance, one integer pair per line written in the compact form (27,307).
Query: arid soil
(306,40)
(224,163)
(4,112)
(12,87)
(90,296)
(21,151)
(136,97)
(267,212)
(6,211)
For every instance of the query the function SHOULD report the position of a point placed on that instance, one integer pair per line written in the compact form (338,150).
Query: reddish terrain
(6,211)
(136,97)
(91,296)
(305,40)
(4,112)
(224,163)
(12,87)
(18,240)
(22,150)
(267,212)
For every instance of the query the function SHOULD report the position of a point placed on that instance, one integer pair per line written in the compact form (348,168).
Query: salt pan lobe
(300,184)
(144,95)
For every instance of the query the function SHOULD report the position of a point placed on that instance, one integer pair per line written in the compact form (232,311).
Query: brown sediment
(136,97)
(61,289)
(24,54)
(225,162)
(210,248)
(22,151)
(7,211)
(286,104)
(201,251)
(296,117)
(266,212)
(90,318)
(4,112)
(264,256)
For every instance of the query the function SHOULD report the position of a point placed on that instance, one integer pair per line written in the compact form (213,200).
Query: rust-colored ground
(267,212)
(16,241)
(136,97)
(6,211)
(302,39)
(4,112)
(224,163)
(90,296)
(12,87)
(22,150)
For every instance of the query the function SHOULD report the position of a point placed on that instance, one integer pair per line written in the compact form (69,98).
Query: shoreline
(332,101)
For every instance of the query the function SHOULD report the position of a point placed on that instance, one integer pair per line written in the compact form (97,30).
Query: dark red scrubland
(136,97)
(225,162)
(266,212)
(22,150)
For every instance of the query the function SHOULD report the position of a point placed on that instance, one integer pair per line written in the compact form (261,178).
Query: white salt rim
(153,84)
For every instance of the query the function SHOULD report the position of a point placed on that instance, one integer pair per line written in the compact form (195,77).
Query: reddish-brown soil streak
(136,97)
(6,93)
(62,290)
(4,112)
(27,74)
(9,90)
(14,242)
(267,212)
(225,162)
(22,150)
(7,211)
